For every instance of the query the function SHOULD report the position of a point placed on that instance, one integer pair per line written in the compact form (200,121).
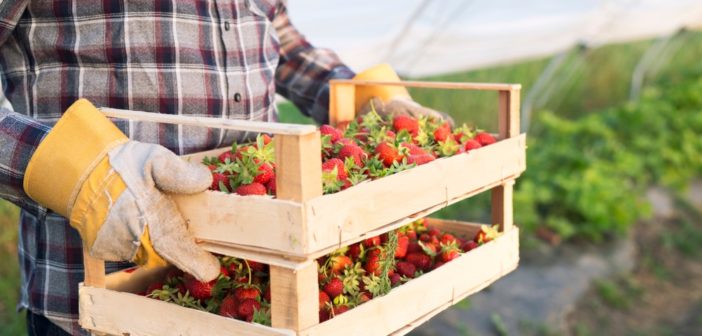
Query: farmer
(81,179)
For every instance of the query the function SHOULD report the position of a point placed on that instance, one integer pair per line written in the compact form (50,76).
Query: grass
(11,322)
(620,293)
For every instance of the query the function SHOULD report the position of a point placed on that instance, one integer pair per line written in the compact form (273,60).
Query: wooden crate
(116,311)
(300,224)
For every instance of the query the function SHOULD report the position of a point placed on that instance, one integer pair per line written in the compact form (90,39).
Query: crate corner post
(294,296)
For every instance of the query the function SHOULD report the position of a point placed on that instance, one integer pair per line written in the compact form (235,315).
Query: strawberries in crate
(367,148)
(348,277)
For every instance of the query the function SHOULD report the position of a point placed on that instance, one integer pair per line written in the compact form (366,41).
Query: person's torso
(200,58)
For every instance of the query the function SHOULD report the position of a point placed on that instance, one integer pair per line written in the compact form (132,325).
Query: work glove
(112,191)
(389,101)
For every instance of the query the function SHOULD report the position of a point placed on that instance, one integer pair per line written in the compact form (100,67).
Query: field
(589,81)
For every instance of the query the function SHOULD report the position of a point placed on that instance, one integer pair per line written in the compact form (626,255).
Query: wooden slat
(294,297)
(365,207)
(435,85)
(298,166)
(440,288)
(502,212)
(239,125)
(341,102)
(118,313)
(94,268)
(508,113)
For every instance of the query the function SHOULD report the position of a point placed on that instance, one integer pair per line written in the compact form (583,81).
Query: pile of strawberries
(348,277)
(367,148)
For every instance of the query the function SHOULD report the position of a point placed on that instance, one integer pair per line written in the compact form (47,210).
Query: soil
(662,295)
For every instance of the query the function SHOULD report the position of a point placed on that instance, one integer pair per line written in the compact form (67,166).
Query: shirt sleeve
(19,135)
(304,71)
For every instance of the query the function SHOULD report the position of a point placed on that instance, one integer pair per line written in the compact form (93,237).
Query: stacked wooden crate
(290,231)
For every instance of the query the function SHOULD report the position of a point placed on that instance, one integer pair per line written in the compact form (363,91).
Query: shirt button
(226,25)
(237,97)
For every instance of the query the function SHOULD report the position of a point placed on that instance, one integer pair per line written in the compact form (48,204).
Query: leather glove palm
(112,190)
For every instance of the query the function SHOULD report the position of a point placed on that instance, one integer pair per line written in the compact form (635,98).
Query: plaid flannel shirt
(220,59)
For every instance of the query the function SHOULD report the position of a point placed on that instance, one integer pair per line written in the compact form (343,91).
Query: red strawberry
(434,231)
(338,263)
(330,164)
(228,155)
(352,151)
(154,286)
(246,292)
(484,138)
(270,186)
(364,297)
(414,149)
(372,241)
(347,142)
(469,245)
(266,139)
(419,260)
(223,271)
(449,252)
(251,189)
(355,250)
(241,150)
(323,315)
(413,247)
(438,264)
(256,266)
(333,133)
(448,238)
(323,299)
(217,178)
(486,234)
(334,287)
(395,279)
(265,173)
(443,132)
(228,307)
(402,245)
(372,264)
(199,290)
(387,153)
(470,145)
(246,309)
(403,122)
(267,293)
(420,159)
(406,269)
(338,310)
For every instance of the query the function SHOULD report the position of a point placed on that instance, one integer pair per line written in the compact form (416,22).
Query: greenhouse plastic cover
(428,37)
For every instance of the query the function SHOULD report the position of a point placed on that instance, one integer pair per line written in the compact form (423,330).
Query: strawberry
(346,142)
(352,151)
(246,292)
(372,264)
(199,290)
(484,138)
(355,250)
(438,264)
(323,314)
(228,307)
(333,133)
(227,156)
(338,263)
(469,245)
(246,309)
(266,139)
(402,245)
(154,286)
(448,238)
(420,159)
(223,271)
(270,186)
(329,165)
(403,122)
(254,188)
(265,173)
(372,241)
(486,234)
(338,310)
(323,299)
(419,260)
(413,247)
(470,145)
(414,149)
(443,132)
(434,231)
(256,266)
(449,252)
(387,153)
(334,287)
(395,279)
(406,269)
(218,178)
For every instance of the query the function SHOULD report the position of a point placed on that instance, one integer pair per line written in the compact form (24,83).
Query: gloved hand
(390,100)
(112,191)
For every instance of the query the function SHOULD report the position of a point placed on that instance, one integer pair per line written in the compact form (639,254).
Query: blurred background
(610,205)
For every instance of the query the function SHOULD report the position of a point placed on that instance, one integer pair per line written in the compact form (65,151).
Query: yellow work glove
(389,100)
(112,191)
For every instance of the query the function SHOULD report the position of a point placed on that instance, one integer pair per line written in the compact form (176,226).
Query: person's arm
(304,71)
(19,135)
